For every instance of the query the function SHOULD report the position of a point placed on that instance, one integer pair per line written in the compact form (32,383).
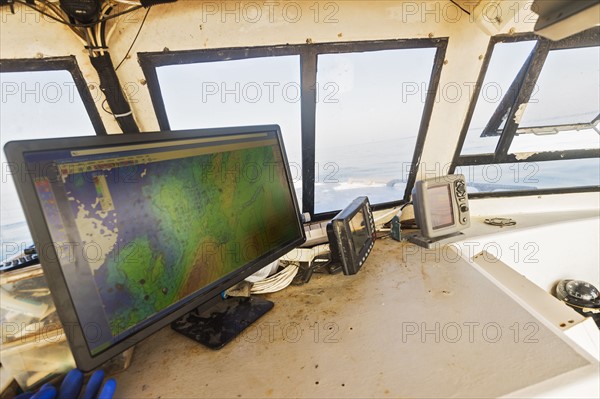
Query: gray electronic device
(441,209)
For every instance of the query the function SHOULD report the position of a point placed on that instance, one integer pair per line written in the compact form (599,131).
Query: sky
(367,103)
(566,92)
(34,105)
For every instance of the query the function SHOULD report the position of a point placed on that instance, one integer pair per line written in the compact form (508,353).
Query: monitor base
(431,243)
(216,326)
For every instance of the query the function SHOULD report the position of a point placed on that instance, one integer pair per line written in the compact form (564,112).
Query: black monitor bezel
(15,153)
(340,233)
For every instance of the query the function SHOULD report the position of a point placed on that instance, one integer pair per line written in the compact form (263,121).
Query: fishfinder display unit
(441,209)
(351,235)
(135,231)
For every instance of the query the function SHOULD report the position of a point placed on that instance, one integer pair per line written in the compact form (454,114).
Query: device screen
(360,234)
(440,205)
(140,228)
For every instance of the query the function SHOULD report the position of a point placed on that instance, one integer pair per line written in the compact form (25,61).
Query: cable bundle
(276,282)
(91,33)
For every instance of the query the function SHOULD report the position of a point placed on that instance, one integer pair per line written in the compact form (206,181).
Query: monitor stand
(431,243)
(219,324)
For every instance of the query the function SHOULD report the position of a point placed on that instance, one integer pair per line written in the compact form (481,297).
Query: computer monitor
(441,207)
(135,231)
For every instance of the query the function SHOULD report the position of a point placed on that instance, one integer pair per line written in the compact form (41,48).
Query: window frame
(308,54)
(69,64)
(521,90)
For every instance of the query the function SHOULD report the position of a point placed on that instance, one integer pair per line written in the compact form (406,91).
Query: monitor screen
(360,234)
(441,211)
(143,228)
(351,235)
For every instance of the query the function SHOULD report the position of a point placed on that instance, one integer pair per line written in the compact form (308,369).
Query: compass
(581,296)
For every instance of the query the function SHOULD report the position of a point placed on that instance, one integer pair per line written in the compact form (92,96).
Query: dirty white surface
(407,325)
(545,247)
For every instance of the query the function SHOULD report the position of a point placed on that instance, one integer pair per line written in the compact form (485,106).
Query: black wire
(457,5)
(62,21)
(135,38)
(56,9)
(118,14)
(92,33)
(104,108)
(135,8)
(405,205)
(103,35)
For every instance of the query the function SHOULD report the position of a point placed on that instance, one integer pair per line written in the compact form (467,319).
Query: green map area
(181,225)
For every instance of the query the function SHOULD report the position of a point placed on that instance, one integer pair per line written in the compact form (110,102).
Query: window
(544,132)
(40,98)
(367,124)
(531,176)
(328,99)
(562,113)
(506,62)
(255,91)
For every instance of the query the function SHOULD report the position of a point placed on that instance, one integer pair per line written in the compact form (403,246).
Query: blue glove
(71,388)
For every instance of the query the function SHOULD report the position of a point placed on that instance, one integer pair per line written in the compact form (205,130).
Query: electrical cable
(105,37)
(458,5)
(60,20)
(103,105)
(95,31)
(133,3)
(135,38)
(112,29)
(276,282)
(64,22)
(89,43)
(91,33)
(109,17)
(131,9)
(58,13)
(324,260)
(102,31)
(55,9)
(97,37)
(277,279)
(93,37)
